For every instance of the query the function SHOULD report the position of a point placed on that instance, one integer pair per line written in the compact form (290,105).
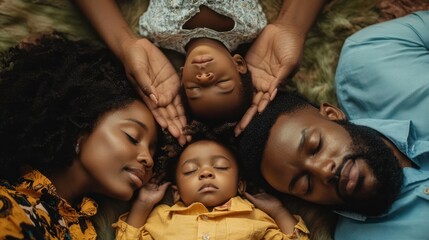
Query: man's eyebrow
(300,146)
(303,137)
(138,123)
(292,183)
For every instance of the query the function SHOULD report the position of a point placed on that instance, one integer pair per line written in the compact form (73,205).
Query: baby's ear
(240,63)
(181,71)
(175,192)
(241,187)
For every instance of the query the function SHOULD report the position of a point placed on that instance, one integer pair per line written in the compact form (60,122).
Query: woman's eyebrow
(138,123)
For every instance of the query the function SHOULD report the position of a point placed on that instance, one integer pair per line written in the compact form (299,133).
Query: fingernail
(153,98)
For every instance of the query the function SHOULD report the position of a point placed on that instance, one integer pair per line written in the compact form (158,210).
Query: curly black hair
(51,92)
(252,141)
(367,144)
(171,151)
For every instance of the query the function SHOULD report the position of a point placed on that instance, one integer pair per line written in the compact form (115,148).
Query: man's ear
(240,63)
(175,192)
(241,187)
(331,112)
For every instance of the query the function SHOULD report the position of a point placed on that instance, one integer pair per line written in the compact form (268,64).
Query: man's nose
(325,170)
(205,77)
(205,174)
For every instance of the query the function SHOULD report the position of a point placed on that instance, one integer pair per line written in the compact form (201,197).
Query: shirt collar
(235,204)
(399,132)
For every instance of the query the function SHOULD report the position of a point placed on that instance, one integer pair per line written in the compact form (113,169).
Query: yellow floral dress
(31,209)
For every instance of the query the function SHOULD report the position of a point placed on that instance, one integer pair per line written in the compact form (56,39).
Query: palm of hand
(151,72)
(275,54)
(158,83)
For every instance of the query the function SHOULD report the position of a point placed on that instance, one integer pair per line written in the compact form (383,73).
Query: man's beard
(369,146)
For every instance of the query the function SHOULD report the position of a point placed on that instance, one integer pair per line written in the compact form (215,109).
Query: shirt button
(204,217)
(206,237)
(426,191)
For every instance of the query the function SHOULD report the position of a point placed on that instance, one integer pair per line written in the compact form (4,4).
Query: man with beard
(374,168)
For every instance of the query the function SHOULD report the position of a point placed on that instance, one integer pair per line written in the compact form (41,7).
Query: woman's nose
(145,159)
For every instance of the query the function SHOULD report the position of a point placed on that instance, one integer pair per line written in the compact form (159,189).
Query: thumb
(163,187)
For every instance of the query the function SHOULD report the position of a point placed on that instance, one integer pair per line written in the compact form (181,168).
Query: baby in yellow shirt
(205,190)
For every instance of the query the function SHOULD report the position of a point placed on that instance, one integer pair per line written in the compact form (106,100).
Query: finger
(245,120)
(263,103)
(174,121)
(249,196)
(145,85)
(164,186)
(180,110)
(156,112)
(282,75)
(273,94)
(153,98)
(249,114)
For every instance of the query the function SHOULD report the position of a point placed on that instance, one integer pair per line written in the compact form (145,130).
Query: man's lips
(136,175)
(207,188)
(348,178)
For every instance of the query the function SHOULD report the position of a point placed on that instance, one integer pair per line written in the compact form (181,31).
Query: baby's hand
(267,203)
(151,193)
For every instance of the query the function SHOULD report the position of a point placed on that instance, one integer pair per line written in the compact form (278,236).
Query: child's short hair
(223,135)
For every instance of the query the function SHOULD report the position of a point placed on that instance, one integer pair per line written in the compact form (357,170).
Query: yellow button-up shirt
(237,219)
(31,209)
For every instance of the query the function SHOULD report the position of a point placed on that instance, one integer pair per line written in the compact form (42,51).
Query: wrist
(122,45)
(281,213)
(138,214)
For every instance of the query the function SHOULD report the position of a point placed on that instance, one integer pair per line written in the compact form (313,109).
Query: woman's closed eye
(132,139)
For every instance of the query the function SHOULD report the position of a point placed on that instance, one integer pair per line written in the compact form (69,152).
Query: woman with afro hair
(71,126)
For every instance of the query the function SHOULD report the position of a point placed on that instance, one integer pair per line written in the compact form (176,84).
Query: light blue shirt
(382,82)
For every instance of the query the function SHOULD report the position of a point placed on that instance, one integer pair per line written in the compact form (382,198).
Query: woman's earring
(77,149)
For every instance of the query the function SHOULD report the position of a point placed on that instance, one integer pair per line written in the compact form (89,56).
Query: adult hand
(171,117)
(276,53)
(157,82)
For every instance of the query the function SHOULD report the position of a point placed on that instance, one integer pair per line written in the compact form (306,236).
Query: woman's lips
(348,178)
(137,176)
